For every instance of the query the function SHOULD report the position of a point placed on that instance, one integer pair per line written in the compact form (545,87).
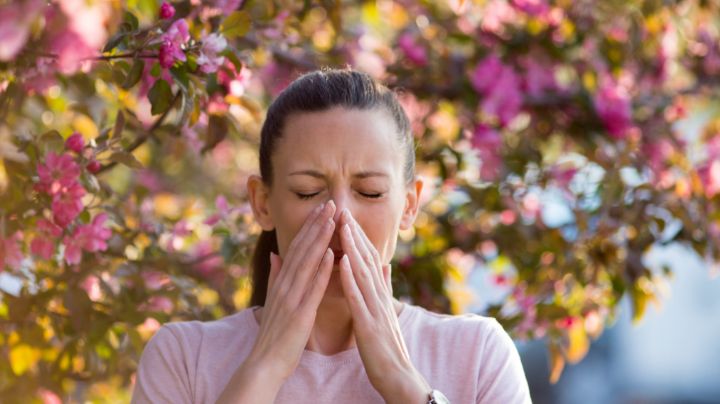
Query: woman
(336,185)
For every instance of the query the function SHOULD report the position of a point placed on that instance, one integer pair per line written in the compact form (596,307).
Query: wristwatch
(437,397)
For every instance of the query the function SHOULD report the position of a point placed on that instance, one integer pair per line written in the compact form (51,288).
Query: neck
(332,332)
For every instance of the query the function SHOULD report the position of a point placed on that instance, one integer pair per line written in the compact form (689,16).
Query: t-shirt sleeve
(162,375)
(501,378)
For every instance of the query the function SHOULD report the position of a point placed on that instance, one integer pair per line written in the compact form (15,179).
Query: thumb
(275,264)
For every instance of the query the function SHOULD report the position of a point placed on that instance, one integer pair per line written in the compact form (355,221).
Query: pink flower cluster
(488,144)
(209,61)
(709,172)
(612,104)
(500,88)
(90,237)
(10,253)
(413,51)
(58,177)
(172,42)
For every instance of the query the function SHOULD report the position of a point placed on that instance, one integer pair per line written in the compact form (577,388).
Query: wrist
(412,388)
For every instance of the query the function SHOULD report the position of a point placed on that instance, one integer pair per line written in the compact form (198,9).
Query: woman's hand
(367,287)
(296,286)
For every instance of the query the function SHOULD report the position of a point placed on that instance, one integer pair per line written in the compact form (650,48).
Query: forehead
(339,139)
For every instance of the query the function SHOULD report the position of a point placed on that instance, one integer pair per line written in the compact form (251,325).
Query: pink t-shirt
(469,358)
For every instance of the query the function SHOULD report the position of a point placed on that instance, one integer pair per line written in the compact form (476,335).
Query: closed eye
(306,196)
(373,196)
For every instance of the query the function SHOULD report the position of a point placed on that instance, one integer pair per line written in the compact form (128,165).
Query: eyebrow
(361,174)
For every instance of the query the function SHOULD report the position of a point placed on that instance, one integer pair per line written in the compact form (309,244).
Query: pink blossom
(178,33)
(91,237)
(499,87)
(710,177)
(234,82)
(40,78)
(612,104)
(488,142)
(93,166)
(75,143)
(172,41)
(486,73)
(155,280)
(67,204)
(91,285)
(169,53)
(48,397)
(57,172)
(88,19)
(226,6)
(11,255)
(159,303)
(72,52)
(532,7)
(43,244)
(209,61)
(496,14)
(224,211)
(412,50)
(539,78)
(167,11)
(16,19)
(210,262)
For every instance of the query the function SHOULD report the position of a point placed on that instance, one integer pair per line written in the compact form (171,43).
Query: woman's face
(350,156)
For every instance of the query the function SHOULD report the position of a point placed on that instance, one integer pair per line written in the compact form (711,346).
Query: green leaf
(237,24)
(134,75)
(232,57)
(217,130)
(52,141)
(130,18)
(160,97)
(119,124)
(156,70)
(126,158)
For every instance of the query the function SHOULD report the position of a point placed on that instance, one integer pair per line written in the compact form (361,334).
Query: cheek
(380,228)
(289,219)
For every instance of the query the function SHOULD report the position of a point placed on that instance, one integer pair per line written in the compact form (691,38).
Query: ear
(412,204)
(258,194)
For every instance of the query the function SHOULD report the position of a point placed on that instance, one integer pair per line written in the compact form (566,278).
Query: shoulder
(185,337)
(467,327)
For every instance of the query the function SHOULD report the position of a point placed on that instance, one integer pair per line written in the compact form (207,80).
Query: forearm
(410,388)
(251,383)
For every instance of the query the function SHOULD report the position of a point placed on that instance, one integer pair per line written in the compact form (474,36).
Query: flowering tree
(559,141)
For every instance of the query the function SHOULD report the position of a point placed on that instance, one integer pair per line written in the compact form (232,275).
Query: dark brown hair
(313,92)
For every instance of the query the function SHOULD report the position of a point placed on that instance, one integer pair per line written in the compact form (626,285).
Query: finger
(307,250)
(320,281)
(367,250)
(360,271)
(302,243)
(354,297)
(308,269)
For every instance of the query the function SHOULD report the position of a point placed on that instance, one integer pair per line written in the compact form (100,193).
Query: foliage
(560,141)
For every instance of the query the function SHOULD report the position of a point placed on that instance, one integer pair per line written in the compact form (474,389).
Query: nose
(342,201)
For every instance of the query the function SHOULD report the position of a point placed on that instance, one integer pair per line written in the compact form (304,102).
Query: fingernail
(331,203)
(319,207)
(346,214)
(346,229)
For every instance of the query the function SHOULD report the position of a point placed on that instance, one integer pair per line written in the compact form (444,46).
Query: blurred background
(570,151)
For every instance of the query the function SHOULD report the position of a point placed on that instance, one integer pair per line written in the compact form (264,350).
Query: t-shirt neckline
(316,359)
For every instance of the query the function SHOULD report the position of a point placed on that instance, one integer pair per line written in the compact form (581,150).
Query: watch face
(439,397)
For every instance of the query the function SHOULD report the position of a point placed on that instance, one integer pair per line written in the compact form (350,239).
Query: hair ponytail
(267,242)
